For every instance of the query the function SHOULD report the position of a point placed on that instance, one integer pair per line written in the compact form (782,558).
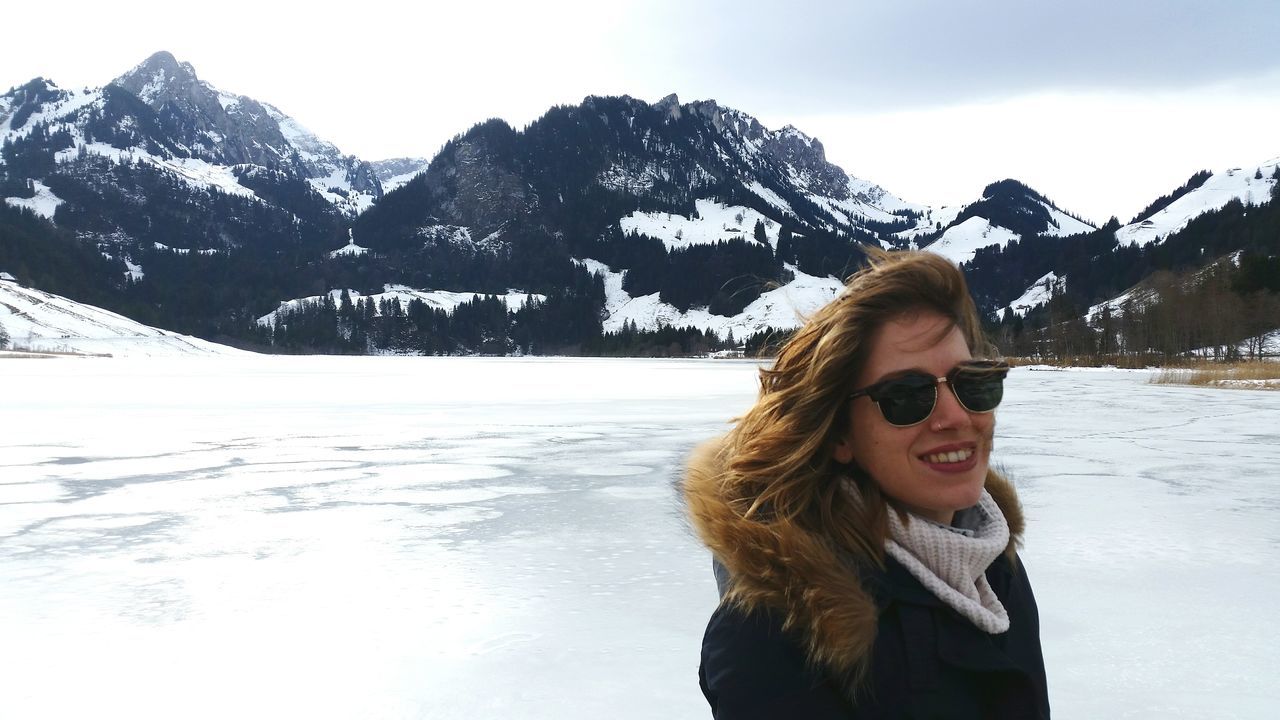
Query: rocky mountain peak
(808,160)
(229,129)
(162,78)
(726,120)
(669,106)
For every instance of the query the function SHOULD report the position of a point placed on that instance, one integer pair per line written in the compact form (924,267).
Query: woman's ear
(843,451)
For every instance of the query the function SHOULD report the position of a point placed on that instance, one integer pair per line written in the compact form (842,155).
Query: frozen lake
(499,538)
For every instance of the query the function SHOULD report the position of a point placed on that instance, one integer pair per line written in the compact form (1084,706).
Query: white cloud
(1101,106)
(1095,154)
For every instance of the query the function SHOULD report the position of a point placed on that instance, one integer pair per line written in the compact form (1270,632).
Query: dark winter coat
(800,618)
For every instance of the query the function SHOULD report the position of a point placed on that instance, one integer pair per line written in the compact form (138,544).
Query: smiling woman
(864,548)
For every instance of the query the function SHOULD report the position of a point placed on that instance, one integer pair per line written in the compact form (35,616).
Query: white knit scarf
(953,565)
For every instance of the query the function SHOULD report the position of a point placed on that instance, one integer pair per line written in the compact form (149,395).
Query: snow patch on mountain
(351,249)
(875,195)
(445,300)
(394,172)
(781,308)
(1221,188)
(396,181)
(310,148)
(133,271)
(1062,224)
(44,203)
(1038,294)
(931,221)
(456,235)
(711,223)
(960,242)
(631,180)
(1137,296)
(69,102)
(325,163)
(866,201)
(195,172)
(770,197)
(353,201)
(185,251)
(43,322)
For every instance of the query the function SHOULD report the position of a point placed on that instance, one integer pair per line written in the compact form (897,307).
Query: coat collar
(831,604)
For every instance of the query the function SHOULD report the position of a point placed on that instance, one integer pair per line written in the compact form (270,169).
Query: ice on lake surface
(500,538)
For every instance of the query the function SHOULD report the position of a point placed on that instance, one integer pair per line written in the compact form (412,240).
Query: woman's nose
(948,413)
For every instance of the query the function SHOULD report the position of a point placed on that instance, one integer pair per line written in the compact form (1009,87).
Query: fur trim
(799,573)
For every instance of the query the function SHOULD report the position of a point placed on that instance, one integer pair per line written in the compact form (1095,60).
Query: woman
(864,549)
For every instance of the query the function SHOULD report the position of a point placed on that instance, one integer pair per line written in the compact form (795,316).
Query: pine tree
(4,337)
(785,253)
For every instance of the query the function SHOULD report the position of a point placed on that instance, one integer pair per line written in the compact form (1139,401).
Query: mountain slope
(38,321)
(1250,187)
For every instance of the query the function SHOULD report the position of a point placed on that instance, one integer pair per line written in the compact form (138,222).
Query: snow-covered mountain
(646,154)
(395,172)
(214,213)
(643,194)
(1007,211)
(1250,186)
(207,136)
(1196,269)
(37,321)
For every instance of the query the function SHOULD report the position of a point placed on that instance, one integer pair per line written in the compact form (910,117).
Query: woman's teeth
(954,456)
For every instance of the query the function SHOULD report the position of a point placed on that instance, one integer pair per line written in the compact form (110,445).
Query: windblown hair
(778,464)
(772,503)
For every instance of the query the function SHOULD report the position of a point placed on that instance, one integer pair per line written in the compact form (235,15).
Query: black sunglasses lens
(980,392)
(907,400)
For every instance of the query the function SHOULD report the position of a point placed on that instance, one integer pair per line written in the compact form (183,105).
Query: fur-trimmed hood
(819,593)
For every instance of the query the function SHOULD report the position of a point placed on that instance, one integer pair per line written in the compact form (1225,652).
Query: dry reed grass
(1206,373)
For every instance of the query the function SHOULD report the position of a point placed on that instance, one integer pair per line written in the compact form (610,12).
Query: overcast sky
(1102,105)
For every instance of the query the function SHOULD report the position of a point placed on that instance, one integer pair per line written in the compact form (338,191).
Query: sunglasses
(909,399)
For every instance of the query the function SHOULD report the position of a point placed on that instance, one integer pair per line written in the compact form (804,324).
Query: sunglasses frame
(993,368)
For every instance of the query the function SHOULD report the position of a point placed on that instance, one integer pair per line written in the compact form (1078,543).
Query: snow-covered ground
(481,538)
(43,322)
(44,203)
(445,300)
(1038,294)
(1063,225)
(960,243)
(713,223)
(351,248)
(783,307)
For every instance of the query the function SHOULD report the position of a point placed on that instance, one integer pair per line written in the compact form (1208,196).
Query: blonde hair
(778,459)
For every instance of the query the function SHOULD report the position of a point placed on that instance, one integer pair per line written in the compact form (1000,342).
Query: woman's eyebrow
(895,374)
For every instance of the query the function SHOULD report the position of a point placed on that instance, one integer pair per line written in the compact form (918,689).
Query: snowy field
(499,538)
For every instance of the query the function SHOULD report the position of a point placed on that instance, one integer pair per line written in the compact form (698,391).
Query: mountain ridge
(194,191)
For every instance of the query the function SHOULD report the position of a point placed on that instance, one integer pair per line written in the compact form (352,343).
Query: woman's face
(917,465)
